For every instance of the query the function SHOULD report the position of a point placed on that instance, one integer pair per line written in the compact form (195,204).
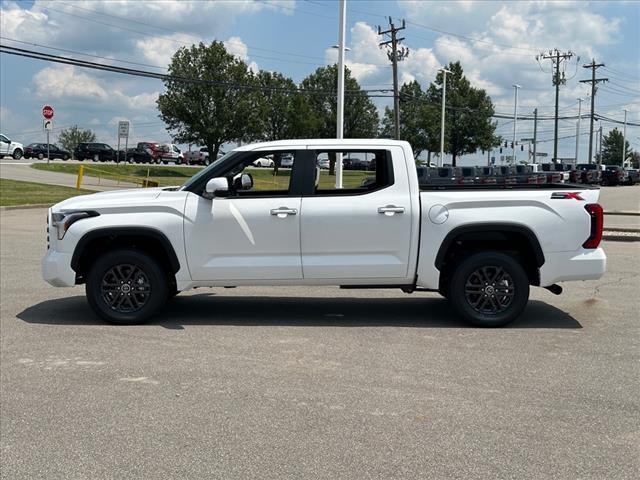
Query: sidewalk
(25,173)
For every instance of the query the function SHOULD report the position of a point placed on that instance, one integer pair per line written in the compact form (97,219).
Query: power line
(166,77)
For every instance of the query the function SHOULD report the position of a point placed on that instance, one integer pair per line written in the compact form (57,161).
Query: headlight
(63,220)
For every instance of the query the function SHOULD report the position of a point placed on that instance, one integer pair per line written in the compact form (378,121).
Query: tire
(17,154)
(110,303)
(65,157)
(476,283)
(96,158)
(40,156)
(206,162)
(131,160)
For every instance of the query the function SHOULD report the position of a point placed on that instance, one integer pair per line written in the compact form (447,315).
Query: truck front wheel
(126,286)
(489,289)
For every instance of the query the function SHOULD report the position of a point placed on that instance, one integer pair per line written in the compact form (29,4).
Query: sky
(496,43)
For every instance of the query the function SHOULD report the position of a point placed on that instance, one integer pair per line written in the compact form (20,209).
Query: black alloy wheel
(489,289)
(126,286)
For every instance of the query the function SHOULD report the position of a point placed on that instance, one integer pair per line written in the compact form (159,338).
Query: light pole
(444,101)
(515,124)
(340,119)
(578,128)
(624,139)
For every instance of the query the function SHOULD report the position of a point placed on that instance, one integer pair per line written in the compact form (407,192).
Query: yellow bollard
(80,177)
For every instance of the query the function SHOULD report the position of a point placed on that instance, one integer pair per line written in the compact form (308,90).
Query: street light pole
(578,129)
(515,124)
(444,101)
(340,119)
(624,139)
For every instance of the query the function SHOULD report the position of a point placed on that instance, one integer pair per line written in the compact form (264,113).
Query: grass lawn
(14,192)
(175,175)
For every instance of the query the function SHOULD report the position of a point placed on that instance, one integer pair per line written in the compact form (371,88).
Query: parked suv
(614,175)
(10,149)
(589,173)
(39,150)
(98,152)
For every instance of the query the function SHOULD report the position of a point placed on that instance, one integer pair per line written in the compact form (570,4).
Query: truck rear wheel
(126,286)
(489,289)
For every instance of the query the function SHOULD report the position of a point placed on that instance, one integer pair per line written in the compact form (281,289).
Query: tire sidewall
(157,279)
(472,263)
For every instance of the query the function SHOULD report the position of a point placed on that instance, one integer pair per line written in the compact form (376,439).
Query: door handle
(283,212)
(390,210)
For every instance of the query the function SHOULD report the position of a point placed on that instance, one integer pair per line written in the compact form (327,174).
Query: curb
(621,238)
(26,207)
(623,213)
(622,229)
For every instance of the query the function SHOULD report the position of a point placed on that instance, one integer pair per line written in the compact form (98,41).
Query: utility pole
(558,79)
(444,101)
(624,139)
(515,124)
(578,129)
(396,55)
(340,119)
(593,66)
(600,151)
(535,134)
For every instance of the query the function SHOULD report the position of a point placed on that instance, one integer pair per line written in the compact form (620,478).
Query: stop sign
(47,112)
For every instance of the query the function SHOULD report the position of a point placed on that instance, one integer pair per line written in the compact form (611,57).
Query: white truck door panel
(243,238)
(363,236)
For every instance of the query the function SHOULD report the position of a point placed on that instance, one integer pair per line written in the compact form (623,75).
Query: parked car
(633,176)
(39,150)
(324,163)
(440,176)
(153,148)
(506,175)
(263,162)
(197,157)
(590,173)
(482,249)
(98,152)
(286,161)
(170,152)
(10,149)
(613,175)
(140,154)
(486,176)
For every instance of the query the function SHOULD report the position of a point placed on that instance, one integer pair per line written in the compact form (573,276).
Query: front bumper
(56,269)
(568,266)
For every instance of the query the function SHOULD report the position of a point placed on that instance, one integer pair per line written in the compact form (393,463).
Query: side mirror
(216,187)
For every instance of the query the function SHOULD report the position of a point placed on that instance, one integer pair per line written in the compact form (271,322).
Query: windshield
(205,171)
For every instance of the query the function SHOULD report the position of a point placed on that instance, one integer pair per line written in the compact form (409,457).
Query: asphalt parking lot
(316,382)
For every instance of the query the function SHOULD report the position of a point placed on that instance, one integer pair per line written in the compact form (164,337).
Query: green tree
(221,107)
(360,113)
(277,115)
(69,138)
(612,148)
(468,125)
(419,120)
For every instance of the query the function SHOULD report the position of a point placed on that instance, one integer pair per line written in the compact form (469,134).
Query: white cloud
(66,82)
(62,81)
(159,50)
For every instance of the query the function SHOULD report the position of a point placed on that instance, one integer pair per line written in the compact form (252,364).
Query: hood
(138,197)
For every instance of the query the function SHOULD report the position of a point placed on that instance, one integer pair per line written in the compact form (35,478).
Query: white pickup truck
(479,246)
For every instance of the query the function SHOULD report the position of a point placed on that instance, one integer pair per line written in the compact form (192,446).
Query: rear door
(363,231)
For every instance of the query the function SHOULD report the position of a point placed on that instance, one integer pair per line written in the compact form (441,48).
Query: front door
(249,235)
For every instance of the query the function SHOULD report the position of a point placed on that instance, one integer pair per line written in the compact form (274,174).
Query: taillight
(597,224)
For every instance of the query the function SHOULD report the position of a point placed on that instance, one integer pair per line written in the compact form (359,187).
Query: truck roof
(347,142)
